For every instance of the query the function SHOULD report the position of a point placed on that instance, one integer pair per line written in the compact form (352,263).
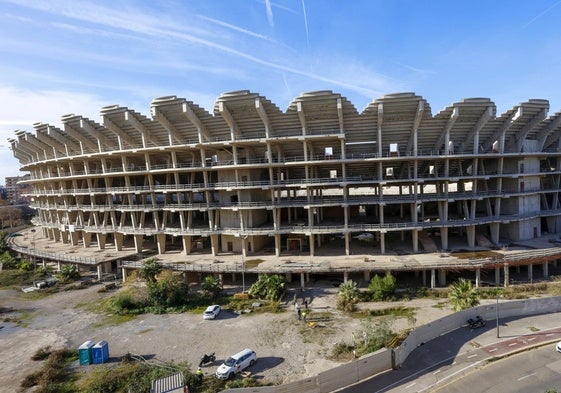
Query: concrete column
(138,239)
(233,277)
(312,245)
(347,244)
(288,277)
(214,245)
(118,240)
(187,244)
(415,236)
(507,275)
(56,234)
(444,238)
(477,277)
(50,234)
(442,277)
(345,276)
(471,235)
(424,275)
(124,270)
(161,240)
(99,272)
(87,236)
(494,228)
(277,245)
(366,276)
(517,269)
(497,276)
(64,236)
(433,278)
(531,273)
(545,269)
(101,237)
(74,238)
(302,281)
(382,243)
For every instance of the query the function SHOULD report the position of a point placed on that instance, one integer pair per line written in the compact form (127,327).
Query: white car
(236,363)
(211,312)
(558,346)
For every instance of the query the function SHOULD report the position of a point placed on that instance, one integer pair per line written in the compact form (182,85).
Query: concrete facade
(251,178)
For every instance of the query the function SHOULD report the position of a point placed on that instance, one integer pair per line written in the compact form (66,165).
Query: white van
(236,363)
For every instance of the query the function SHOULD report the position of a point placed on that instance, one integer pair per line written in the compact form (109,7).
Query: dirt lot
(287,349)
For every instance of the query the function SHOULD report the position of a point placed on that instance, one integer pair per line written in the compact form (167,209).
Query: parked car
(558,346)
(236,363)
(211,312)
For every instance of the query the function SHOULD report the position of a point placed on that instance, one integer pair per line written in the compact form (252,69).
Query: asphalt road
(538,370)
(442,361)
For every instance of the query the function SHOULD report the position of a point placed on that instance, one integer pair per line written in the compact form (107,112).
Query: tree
(211,286)
(150,269)
(382,288)
(347,296)
(269,286)
(463,295)
(373,334)
(168,291)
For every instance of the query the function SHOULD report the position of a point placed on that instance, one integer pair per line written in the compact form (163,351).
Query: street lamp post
(243,262)
(33,249)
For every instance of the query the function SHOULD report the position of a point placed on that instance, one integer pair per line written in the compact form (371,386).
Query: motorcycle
(207,359)
(476,323)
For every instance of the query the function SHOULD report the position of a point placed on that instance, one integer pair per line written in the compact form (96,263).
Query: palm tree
(149,270)
(347,296)
(211,286)
(463,295)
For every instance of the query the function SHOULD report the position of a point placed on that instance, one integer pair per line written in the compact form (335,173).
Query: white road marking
(512,344)
(549,334)
(410,385)
(436,372)
(494,349)
(526,376)
(531,339)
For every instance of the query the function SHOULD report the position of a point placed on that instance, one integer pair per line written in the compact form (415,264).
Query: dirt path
(287,349)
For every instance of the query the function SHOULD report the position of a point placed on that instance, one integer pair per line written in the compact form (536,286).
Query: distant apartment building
(250,177)
(17,188)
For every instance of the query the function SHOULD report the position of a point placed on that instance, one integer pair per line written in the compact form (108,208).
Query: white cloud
(20,108)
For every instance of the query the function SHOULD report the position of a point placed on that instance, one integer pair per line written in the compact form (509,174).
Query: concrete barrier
(380,361)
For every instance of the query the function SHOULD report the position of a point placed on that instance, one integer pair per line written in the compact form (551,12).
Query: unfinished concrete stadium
(391,188)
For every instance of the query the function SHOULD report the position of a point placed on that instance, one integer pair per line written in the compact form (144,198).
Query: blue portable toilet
(85,352)
(100,352)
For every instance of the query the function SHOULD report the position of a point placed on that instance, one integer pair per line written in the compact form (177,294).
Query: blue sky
(73,56)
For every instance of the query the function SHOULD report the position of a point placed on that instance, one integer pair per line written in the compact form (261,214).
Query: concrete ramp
(427,242)
(482,241)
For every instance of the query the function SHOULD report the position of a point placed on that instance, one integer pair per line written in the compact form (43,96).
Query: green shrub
(68,273)
(168,291)
(382,288)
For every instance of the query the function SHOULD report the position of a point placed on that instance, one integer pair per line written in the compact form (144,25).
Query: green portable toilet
(85,352)
(100,352)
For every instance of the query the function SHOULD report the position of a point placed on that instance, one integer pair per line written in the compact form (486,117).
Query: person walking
(304,315)
(199,375)
(299,312)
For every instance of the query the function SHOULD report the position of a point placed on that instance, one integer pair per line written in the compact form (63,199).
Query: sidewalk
(454,354)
